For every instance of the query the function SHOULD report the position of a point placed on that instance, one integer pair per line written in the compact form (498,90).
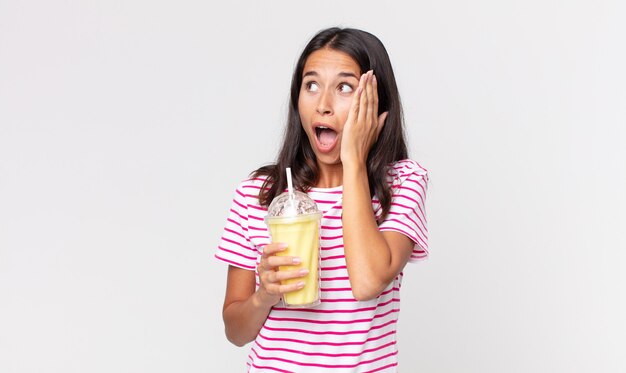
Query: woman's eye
(312,87)
(345,88)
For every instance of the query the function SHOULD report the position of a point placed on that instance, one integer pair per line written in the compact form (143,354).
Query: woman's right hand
(270,277)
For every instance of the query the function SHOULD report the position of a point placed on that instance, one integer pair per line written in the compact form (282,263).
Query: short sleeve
(407,214)
(235,247)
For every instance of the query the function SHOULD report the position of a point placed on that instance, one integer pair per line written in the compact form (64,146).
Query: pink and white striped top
(341,334)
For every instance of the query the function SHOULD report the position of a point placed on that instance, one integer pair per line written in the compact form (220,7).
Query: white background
(126,125)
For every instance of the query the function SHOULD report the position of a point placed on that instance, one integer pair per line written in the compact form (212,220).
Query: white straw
(292,197)
(289,183)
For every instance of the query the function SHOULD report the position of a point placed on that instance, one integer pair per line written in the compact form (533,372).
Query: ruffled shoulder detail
(401,170)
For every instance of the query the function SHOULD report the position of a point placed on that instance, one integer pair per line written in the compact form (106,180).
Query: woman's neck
(330,176)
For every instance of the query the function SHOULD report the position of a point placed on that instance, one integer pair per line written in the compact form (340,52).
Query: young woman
(345,144)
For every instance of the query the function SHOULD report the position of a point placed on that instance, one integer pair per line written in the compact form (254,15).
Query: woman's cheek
(305,105)
(343,106)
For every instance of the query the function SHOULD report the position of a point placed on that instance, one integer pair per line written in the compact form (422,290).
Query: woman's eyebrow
(347,75)
(341,74)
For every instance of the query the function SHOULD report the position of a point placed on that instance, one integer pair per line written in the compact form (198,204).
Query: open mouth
(326,137)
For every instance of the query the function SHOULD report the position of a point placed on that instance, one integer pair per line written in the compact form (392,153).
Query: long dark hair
(296,152)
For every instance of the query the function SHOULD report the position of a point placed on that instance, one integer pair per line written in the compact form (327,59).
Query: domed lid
(287,204)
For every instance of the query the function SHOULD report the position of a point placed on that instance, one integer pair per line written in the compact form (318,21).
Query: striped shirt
(341,334)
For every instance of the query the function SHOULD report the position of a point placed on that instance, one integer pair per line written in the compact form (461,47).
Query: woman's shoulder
(255,182)
(405,168)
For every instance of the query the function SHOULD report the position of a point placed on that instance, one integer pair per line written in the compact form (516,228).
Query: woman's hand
(270,289)
(246,307)
(363,124)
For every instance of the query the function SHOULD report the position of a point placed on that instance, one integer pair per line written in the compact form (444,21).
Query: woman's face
(329,80)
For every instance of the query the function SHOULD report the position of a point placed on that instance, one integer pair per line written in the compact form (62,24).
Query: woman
(346,147)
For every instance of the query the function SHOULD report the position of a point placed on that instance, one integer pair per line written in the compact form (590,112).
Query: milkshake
(293,218)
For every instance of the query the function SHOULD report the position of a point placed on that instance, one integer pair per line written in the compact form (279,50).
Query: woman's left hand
(363,124)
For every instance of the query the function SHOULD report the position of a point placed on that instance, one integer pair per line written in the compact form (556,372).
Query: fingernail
(296,260)
(303,271)
(300,285)
(282,245)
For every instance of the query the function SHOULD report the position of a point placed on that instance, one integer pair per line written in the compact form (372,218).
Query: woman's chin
(329,159)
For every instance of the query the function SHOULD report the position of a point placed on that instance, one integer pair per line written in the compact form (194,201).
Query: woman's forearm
(368,256)
(245,309)
(244,319)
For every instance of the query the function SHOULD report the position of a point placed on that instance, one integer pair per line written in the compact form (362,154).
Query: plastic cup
(293,218)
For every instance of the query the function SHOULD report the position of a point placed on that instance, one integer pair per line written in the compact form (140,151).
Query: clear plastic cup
(293,218)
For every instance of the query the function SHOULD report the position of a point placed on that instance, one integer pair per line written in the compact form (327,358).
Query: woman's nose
(325,104)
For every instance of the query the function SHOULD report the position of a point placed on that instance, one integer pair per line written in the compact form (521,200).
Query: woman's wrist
(354,168)
(262,299)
